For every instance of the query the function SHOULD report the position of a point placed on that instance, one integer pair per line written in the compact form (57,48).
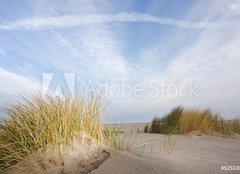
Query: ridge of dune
(193,154)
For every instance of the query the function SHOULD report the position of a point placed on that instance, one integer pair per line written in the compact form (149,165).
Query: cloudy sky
(139,44)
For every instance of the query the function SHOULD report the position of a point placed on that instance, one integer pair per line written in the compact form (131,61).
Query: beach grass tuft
(35,123)
(236,125)
(180,120)
(205,121)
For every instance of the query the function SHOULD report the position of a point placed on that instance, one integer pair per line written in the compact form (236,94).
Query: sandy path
(191,154)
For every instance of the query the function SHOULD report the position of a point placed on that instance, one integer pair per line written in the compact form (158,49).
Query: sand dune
(184,154)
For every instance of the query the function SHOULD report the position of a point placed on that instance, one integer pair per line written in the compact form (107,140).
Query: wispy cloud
(102,44)
(68,21)
(12,84)
(234,6)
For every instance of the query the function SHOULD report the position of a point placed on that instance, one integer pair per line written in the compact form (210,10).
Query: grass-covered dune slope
(37,123)
(180,120)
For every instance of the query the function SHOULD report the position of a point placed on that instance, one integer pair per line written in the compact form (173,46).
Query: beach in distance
(119,87)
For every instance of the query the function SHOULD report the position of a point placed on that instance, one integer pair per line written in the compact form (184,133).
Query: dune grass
(205,121)
(236,125)
(171,120)
(166,124)
(35,123)
(180,121)
(114,137)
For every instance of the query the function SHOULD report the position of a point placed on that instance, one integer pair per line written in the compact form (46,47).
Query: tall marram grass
(236,125)
(171,120)
(205,121)
(180,120)
(35,123)
(167,124)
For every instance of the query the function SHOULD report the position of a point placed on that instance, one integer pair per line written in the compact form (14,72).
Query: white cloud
(95,54)
(61,22)
(212,61)
(234,6)
(103,46)
(12,84)
(211,57)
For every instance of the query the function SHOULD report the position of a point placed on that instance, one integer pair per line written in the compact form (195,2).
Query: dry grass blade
(35,123)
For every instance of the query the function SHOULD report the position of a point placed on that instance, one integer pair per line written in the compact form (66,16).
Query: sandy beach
(119,87)
(155,153)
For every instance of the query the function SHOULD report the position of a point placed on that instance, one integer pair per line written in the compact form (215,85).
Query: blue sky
(136,41)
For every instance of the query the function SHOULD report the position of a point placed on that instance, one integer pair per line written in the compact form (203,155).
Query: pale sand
(146,153)
(82,155)
(155,153)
